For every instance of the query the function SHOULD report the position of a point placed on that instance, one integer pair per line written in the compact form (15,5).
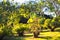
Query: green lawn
(42,36)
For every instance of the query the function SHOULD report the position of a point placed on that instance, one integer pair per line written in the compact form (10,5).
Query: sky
(20,1)
(1,0)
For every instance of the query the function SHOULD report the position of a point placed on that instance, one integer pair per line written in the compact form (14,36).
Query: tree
(19,28)
(52,23)
(55,23)
(6,19)
(5,31)
(35,26)
(47,23)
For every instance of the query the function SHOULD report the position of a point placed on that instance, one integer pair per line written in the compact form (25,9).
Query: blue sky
(1,0)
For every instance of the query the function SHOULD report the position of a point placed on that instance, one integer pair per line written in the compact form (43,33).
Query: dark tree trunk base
(36,34)
(52,30)
(21,33)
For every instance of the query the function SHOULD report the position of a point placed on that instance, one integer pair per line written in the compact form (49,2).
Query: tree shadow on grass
(57,38)
(13,38)
(46,37)
(57,30)
(28,35)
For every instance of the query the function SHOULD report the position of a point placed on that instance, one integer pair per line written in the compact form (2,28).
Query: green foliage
(55,22)
(42,21)
(22,27)
(52,23)
(10,15)
(5,30)
(47,22)
(1,31)
(34,25)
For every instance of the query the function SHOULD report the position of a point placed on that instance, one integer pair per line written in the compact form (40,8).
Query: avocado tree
(55,23)
(47,23)
(19,28)
(52,23)
(34,26)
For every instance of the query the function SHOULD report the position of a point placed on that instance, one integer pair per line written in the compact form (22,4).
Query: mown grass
(42,36)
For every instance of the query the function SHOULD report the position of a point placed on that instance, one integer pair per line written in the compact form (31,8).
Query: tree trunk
(21,33)
(52,30)
(36,34)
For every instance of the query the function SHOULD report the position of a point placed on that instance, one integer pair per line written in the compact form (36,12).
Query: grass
(42,36)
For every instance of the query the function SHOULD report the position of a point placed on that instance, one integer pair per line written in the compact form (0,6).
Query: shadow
(13,38)
(57,38)
(23,20)
(57,30)
(28,35)
(46,37)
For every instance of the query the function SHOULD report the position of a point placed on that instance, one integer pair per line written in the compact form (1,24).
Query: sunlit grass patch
(34,39)
(51,34)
